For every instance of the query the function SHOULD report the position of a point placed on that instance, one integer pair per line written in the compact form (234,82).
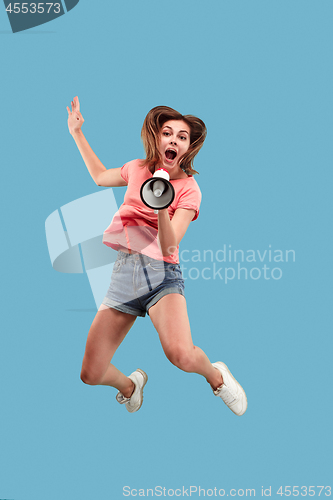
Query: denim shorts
(139,281)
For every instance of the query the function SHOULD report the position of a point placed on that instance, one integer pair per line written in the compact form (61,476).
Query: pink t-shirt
(135,225)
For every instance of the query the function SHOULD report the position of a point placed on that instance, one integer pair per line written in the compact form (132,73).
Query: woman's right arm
(101,175)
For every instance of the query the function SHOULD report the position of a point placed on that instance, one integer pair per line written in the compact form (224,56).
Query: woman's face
(174,141)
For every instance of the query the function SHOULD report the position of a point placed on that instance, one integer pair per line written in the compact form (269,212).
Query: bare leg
(107,331)
(169,316)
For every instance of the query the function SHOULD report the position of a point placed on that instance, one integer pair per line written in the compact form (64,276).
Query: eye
(166,133)
(183,137)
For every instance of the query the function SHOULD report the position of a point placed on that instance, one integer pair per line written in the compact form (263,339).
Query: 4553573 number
(33,8)
(304,491)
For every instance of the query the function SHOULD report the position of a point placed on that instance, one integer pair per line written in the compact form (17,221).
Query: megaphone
(158,193)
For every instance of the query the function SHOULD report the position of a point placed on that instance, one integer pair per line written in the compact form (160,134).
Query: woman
(146,276)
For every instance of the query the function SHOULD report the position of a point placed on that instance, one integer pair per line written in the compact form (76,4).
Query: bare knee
(182,358)
(90,377)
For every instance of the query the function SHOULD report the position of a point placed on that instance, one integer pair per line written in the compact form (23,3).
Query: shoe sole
(221,363)
(145,380)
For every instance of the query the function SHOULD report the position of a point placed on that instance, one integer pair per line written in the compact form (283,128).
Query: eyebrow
(167,126)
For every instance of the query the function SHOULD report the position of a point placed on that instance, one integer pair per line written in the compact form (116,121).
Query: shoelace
(121,398)
(227,395)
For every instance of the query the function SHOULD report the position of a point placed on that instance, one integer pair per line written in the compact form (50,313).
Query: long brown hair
(152,126)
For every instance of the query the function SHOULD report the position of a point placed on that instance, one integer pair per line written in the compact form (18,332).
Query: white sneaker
(139,379)
(231,392)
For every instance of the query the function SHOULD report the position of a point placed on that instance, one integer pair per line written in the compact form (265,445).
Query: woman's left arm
(171,232)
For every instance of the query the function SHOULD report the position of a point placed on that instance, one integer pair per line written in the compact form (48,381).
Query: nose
(173,141)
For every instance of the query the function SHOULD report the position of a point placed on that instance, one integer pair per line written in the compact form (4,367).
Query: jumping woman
(146,276)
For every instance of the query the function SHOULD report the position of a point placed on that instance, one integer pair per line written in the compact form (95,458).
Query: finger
(77,103)
(69,111)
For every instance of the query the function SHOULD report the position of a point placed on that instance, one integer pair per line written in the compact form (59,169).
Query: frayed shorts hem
(140,312)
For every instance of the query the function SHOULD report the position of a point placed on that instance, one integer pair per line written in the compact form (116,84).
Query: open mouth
(170,154)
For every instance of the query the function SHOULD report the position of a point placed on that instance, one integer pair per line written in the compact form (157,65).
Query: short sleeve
(124,172)
(191,199)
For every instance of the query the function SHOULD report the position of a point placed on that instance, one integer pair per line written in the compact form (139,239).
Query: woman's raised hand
(75,119)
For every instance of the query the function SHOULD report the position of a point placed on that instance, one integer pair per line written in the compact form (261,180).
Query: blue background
(259,73)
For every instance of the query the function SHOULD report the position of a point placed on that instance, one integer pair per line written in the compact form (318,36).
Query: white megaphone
(158,193)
